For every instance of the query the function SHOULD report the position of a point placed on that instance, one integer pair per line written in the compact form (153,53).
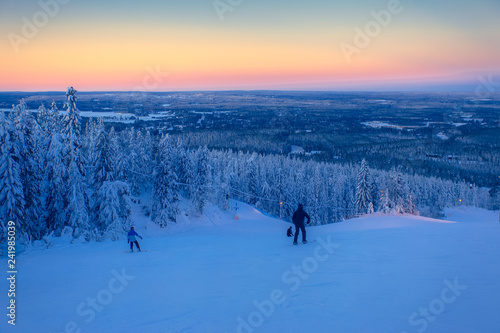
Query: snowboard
(135,251)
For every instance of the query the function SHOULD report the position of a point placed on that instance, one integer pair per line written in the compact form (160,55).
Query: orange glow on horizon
(214,60)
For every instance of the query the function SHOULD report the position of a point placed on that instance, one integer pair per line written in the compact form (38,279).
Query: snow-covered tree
(92,131)
(385,202)
(44,120)
(55,184)
(411,206)
(12,203)
(77,203)
(165,190)
(104,159)
(113,210)
(252,178)
(185,170)
(371,209)
(200,195)
(363,190)
(31,150)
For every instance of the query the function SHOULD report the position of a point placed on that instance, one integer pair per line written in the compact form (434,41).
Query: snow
(212,273)
(443,136)
(296,150)
(380,124)
(112,116)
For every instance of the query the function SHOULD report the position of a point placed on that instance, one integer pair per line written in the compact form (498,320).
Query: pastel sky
(169,45)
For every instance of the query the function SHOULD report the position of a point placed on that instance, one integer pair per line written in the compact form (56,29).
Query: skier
(289,232)
(298,220)
(132,239)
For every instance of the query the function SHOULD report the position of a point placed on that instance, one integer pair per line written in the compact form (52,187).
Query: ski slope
(215,274)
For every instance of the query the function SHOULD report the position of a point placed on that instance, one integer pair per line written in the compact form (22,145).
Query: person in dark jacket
(132,239)
(298,219)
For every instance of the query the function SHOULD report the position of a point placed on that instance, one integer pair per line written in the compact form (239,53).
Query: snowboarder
(289,232)
(132,239)
(298,220)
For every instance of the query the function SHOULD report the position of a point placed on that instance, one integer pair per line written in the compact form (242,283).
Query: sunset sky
(169,45)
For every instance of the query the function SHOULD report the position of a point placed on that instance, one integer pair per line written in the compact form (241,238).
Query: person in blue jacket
(133,239)
(298,219)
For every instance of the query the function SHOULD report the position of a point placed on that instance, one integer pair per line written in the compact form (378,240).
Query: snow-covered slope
(371,274)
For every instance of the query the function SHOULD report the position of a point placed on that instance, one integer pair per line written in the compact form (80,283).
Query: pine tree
(363,190)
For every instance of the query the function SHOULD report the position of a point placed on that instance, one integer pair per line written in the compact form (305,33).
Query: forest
(59,177)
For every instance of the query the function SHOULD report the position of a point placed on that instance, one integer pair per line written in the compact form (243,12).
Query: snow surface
(217,274)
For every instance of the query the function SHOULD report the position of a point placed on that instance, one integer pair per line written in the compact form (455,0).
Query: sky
(177,45)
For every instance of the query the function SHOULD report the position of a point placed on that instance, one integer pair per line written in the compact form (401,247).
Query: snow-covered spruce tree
(122,158)
(165,189)
(112,210)
(397,192)
(411,206)
(92,131)
(110,202)
(252,178)
(363,190)
(200,194)
(56,116)
(77,208)
(31,151)
(140,161)
(44,120)
(185,170)
(135,171)
(12,204)
(103,159)
(55,184)
(385,202)
(371,209)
